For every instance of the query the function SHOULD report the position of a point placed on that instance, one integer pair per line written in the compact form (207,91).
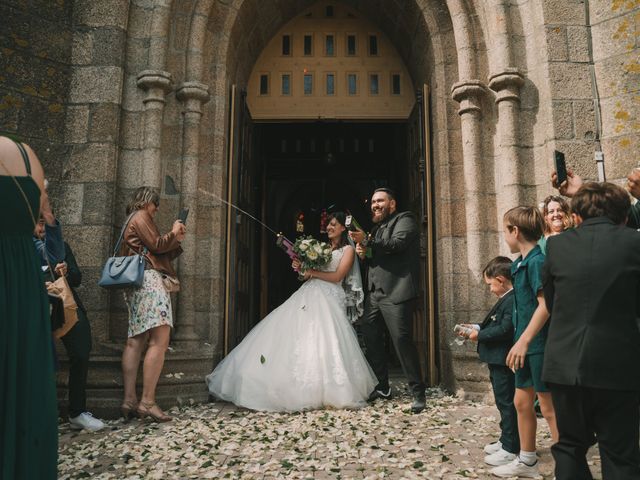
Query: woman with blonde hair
(557,218)
(150,315)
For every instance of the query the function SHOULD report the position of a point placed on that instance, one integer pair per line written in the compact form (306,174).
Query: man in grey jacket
(391,254)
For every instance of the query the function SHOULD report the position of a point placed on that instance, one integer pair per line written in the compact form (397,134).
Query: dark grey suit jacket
(591,281)
(394,266)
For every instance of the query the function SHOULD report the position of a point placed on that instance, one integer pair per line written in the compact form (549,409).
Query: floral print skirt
(149,306)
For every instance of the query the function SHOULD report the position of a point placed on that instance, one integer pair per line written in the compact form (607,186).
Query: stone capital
(193,95)
(468,94)
(507,84)
(156,83)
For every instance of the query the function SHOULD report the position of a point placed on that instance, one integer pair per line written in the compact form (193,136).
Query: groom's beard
(380,215)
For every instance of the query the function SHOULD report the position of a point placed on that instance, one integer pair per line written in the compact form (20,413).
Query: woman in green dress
(557,218)
(28,411)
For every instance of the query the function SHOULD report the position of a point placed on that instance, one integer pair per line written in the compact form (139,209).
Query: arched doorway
(329,114)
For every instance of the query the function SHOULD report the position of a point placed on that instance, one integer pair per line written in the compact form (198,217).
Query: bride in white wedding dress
(305,354)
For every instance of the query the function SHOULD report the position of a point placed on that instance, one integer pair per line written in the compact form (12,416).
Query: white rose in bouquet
(312,255)
(304,246)
(318,248)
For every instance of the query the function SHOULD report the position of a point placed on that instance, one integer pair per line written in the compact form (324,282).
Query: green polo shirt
(526,275)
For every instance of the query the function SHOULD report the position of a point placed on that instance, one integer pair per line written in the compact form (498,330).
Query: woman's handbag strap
(124,227)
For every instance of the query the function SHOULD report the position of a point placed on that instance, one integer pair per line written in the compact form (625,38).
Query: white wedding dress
(303,355)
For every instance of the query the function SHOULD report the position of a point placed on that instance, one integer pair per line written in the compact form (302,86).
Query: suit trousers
(378,311)
(77,342)
(584,415)
(503,383)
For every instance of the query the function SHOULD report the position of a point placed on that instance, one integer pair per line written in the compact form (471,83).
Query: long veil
(353,290)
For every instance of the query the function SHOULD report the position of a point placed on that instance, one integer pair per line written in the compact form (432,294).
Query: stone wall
(35,52)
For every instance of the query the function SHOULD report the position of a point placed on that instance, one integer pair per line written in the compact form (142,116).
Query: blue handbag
(123,272)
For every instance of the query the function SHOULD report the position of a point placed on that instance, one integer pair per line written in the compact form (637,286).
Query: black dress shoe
(383,394)
(419,402)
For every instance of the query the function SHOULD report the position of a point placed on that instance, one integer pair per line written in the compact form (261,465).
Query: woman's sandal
(144,411)
(128,410)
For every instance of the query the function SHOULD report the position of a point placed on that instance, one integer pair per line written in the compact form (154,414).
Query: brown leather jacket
(143,232)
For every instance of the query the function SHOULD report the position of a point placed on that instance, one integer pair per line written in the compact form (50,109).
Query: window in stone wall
(286,84)
(264,84)
(286,45)
(374,84)
(329,45)
(331,83)
(308,83)
(328,11)
(308,45)
(373,45)
(395,84)
(352,83)
(351,44)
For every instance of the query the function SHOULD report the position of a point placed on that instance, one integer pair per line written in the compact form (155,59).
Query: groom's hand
(361,251)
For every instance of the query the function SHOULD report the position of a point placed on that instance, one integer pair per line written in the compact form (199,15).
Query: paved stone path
(218,440)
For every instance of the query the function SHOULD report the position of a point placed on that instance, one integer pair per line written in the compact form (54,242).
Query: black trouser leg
(575,430)
(503,382)
(372,329)
(615,420)
(399,321)
(77,342)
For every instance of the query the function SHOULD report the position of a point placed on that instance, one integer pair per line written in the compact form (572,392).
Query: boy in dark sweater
(495,338)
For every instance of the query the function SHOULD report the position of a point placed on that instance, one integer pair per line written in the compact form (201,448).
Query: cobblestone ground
(218,440)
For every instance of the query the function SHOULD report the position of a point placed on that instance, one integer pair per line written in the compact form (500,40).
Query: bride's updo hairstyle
(340,217)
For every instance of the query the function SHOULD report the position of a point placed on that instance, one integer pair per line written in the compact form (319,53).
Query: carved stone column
(468,94)
(157,84)
(507,85)
(193,95)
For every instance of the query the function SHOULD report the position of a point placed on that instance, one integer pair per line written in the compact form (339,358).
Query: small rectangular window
(374,84)
(286,45)
(308,84)
(286,84)
(329,45)
(264,84)
(308,45)
(328,11)
(351,44)
(352,83)
(373,45)
(395,84)
(331,84)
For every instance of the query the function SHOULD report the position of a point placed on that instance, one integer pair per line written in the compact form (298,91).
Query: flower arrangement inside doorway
(311,253)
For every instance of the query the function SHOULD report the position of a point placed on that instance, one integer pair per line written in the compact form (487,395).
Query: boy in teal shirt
(523,227)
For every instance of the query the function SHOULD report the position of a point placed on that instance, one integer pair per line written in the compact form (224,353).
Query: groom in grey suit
(392,287)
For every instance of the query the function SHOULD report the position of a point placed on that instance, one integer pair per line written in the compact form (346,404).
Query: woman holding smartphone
(150,314)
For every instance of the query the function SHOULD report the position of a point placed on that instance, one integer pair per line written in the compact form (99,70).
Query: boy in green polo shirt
(523,226)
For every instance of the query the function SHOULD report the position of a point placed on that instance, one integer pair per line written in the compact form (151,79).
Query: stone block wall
(35,51)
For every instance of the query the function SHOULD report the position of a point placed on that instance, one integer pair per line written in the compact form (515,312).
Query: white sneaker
(493,447)
(517,468)
(501,457)
(86,421)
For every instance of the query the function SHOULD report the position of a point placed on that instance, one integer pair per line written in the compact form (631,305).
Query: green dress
(28,410)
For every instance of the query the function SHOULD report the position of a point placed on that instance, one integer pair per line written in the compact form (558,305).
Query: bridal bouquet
(312,253)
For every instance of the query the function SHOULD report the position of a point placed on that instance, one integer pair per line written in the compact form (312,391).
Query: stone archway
(492,129)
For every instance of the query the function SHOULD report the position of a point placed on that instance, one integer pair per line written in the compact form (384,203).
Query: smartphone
(182,216)
(561,167)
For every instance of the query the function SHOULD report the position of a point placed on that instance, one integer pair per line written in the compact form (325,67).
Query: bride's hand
(296,265)
(308,274)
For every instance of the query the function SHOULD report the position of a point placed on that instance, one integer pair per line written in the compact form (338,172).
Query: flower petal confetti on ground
(218,440)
